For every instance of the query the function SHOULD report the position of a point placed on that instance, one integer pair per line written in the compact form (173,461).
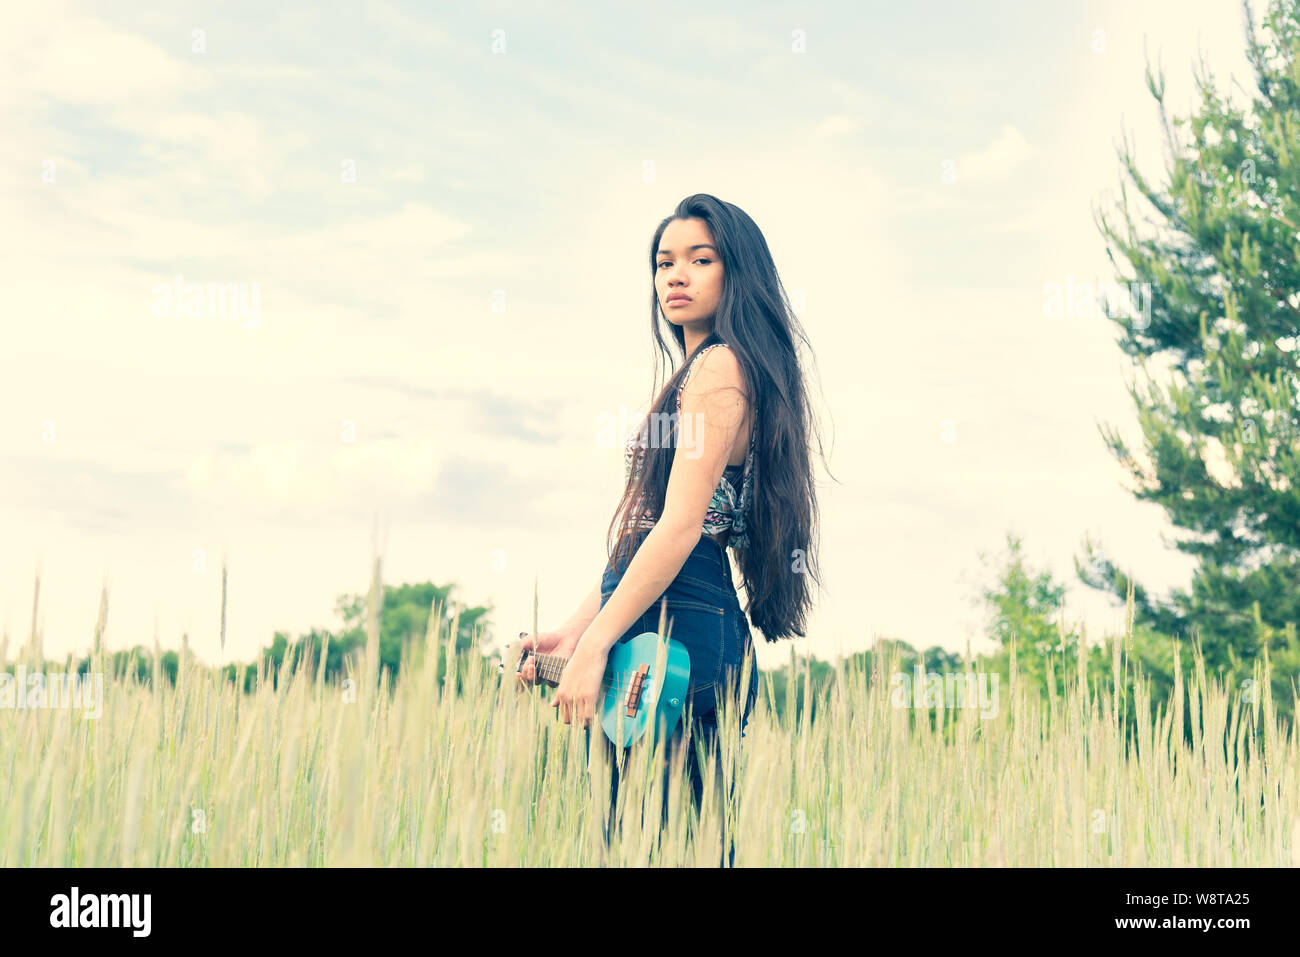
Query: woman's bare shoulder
(721,367)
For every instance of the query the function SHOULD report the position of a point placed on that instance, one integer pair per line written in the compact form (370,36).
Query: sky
(434,220)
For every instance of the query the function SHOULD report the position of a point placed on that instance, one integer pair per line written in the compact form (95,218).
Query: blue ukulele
(639,696)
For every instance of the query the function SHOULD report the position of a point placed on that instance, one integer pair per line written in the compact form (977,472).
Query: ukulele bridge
(636,689)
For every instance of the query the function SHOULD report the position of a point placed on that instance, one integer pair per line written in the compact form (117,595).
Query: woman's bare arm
(715,403)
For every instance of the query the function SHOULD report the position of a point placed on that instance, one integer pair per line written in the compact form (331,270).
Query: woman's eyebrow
(669,252)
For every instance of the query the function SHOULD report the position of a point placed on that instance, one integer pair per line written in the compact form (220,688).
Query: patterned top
(729,507)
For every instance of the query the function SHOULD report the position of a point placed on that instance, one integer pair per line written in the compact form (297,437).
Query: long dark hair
(755,320)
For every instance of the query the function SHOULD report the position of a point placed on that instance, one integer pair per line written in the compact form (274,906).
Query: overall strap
(681,386)
(753,428)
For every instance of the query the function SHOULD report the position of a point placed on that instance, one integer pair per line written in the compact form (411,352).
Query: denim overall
(708,620)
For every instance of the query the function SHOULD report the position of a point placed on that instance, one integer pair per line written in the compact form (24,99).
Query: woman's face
(686,264)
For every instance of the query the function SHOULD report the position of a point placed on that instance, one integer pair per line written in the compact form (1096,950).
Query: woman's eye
(702,259)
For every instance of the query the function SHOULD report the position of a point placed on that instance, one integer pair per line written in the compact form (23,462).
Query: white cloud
(192,145)
(997,160)
(77,59)
(298,475)
(835,124)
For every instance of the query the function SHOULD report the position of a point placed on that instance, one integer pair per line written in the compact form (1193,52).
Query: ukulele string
(616,684)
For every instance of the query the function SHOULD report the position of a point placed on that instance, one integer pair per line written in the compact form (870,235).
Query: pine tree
(1220,276)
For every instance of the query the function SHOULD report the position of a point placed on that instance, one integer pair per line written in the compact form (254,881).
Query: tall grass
(308,772)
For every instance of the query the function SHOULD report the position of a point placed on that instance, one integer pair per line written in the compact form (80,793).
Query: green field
(307,772)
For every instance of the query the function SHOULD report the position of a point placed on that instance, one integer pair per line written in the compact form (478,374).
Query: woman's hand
(579,690)
(561,642)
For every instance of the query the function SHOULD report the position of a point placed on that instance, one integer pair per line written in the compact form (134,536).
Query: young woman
(721,461)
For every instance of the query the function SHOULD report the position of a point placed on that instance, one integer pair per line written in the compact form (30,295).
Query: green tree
(817,674)
(1219,279)
(405,618)
(403,624)
(1023,607)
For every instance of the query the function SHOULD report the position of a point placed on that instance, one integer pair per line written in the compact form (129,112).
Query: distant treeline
(1022,607)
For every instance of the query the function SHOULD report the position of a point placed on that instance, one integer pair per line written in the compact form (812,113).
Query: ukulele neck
(549,667)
